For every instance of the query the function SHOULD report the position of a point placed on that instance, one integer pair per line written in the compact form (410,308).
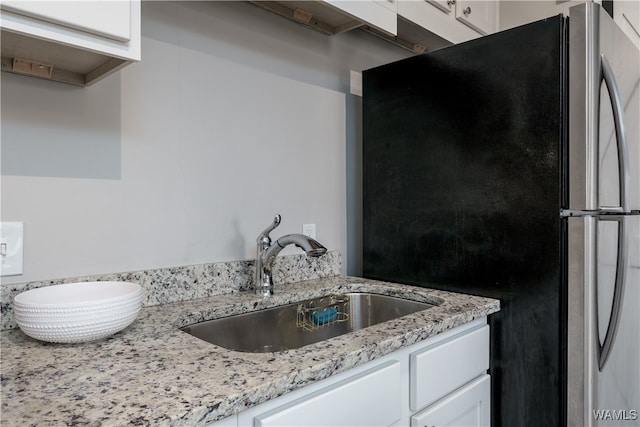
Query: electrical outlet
(309,230)
(11,242)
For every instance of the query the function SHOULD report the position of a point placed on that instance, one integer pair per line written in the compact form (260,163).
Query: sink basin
(298,324)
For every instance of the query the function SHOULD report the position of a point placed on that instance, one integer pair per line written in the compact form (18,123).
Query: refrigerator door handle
(607,75)
(604,348)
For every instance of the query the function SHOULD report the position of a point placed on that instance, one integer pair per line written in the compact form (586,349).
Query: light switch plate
(11,248)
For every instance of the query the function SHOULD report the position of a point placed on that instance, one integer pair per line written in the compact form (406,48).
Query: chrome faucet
(266,254)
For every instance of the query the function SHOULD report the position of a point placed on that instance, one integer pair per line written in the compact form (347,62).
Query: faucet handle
(265,234)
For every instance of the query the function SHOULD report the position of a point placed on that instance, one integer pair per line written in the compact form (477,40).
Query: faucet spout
(266,254)
(311,246)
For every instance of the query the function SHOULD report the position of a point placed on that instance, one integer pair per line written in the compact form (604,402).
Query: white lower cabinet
(468,406)
(448,365)
(349,402)
(441,381)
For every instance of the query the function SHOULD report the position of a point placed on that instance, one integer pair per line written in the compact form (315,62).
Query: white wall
(233,115)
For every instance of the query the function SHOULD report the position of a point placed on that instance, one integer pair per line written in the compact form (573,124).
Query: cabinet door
(111,19)
(469,406)
(438,370)
(439,17)
(447,6)
(372,398)
(480,15)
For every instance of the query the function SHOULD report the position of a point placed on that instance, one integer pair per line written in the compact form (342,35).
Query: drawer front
(469,406)
(437,371)
(372,398)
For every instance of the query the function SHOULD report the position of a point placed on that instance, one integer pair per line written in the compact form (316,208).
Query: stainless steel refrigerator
(508,166)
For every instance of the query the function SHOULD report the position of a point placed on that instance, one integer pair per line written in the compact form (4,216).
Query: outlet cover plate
(309,230)
(11,244)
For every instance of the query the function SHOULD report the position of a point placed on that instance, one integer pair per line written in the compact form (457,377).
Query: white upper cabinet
(77,42)
(453,20)
(111,19)
(381,14)
(446,6)
(416,25)
(482,16)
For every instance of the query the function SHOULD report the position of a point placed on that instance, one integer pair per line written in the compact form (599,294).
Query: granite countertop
(154,374)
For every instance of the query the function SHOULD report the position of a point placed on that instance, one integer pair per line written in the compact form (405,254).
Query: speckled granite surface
(164,285)
(153,374)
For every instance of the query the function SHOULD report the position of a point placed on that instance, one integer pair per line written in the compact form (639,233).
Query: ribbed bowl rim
(75,319)
(74,310)
(77,294)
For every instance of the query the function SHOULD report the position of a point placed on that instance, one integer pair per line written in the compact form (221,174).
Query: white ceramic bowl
(77,312)
(76,317)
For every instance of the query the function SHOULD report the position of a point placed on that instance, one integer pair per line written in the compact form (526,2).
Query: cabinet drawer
(371,398)
(469,406)
(437,371)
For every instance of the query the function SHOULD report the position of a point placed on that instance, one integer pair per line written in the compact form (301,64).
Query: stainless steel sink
(296,325)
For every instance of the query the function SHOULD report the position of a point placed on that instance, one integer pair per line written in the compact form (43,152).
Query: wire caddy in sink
(321,312)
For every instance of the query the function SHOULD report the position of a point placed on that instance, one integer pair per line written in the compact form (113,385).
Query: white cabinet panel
(437,370)
(371,398)
(479,15)
(378,393)
(76,42)
(453,20)
(381,14)
(447,6)
(110,19)
(468,406)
